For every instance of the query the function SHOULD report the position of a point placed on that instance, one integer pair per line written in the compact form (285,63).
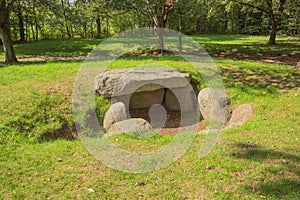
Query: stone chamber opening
(162,108)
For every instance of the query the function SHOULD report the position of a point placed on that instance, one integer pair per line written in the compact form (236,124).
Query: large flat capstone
(133,80)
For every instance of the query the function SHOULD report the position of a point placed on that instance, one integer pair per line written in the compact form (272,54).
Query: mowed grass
(259,160)
(232,45)
(74,47)
(249,45)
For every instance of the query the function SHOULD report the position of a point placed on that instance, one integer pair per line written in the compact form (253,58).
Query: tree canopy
(50,19)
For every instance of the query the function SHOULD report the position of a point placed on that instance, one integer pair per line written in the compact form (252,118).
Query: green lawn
(259,160)
(231,45)
(74,47)
(249,45)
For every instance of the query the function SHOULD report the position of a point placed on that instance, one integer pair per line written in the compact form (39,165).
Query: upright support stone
(181,99)
(215,105)
(116,113)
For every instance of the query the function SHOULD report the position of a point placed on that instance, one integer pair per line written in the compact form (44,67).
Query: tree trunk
(272,18)
(84,31)
(107,26)
(98,22)
(272,40)
(27,29)
(160,40)
(232,21)
(180,29)
(246,23)
(5,34)
(225,25)
(21,24)
(66,19)
(32,30)
(35,21)
(276,21)
(92,29)
(158,25)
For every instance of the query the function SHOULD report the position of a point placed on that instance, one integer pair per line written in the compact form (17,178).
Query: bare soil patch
(281,59)
(45,58)
(64,87)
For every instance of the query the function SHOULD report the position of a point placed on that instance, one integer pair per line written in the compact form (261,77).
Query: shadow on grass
(282,188)
(284,166)
(261,79)
(67,132)
(59,47)
(219,37)
(285,53)
(2,65)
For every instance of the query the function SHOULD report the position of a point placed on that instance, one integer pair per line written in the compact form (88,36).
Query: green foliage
(53,19)
(102,105)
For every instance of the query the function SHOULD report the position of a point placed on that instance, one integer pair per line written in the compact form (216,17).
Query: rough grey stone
(214,104)
(181,99)
(241,114)
(146,99)
(130,125)
(133,80)
(116,113)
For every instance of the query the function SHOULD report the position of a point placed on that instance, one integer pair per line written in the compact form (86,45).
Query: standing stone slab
(146,99)
(171,101)
(214,104)
(241,114)
(181,99)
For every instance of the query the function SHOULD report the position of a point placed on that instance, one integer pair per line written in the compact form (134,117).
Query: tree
(158,11)
(5,33)
(65,18)
(273,8)
(19,13)
(99,10)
